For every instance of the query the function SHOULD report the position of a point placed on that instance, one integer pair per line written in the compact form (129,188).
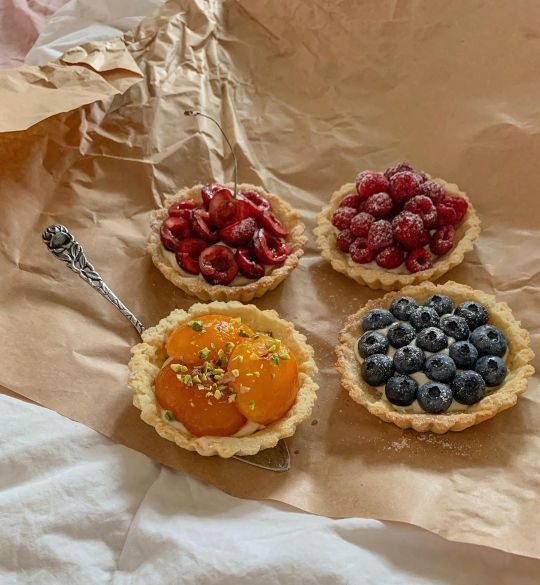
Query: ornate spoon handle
(64,246)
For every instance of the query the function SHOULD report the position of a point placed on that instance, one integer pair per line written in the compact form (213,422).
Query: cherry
(268,249)
(199,225)
(217,264)
(255,198)
(271,223)
(247,266)
(182,208)
(239,233)
(208,191)
(188,252)
(224,209)
(172,230)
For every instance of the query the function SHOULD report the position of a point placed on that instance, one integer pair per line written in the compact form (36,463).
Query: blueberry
(424,317)
(403,307)
(464,354)
(434,397)
(377,368)
(474,313)
(401,390)
(455,327)
(492,369)
(441,303)
(377,319)
(400,334)
(372,342)
(409,359)
(489,340)
(440,368)
(431,339)
(468,387)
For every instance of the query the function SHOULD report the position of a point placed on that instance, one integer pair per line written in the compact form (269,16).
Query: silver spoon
(64,246)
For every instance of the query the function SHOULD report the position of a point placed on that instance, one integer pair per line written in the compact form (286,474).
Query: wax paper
(310,93)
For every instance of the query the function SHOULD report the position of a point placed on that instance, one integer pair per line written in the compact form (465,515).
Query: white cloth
(76,509)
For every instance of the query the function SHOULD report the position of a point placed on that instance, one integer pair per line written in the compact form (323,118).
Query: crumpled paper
(310,94)
(92,72)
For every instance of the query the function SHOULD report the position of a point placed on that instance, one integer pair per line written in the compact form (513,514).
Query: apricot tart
(223,378)
(396,228)
(215,245)
(435,358)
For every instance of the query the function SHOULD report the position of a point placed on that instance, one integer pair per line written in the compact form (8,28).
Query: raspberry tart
(223,378)
(225,242)
(396,228)
(435,358)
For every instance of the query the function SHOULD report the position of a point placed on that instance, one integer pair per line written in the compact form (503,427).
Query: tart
(223,378)
(396,228)
(434,358)
(218,246)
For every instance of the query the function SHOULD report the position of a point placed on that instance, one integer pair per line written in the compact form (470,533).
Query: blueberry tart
(397,228)
(434,357)
(201,378)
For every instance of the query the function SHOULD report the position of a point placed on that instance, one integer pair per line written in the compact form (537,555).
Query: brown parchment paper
(311,92)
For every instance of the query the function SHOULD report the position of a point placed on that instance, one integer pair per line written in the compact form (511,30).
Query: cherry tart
(396,228)
(223,378)
(216,246)
(435,358)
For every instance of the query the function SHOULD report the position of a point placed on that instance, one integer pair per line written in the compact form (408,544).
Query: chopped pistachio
(218,394)
(177,368)
(187,380)
(249,375)
(283,355)
(239,359)
(251,405)
(253,356)
(235,373)
(204,353)
(213,345)
(257,374)
(232,397)
(274,360)
(196,379)
(204,377)
(219,371)
(229,346)
(218,376)
(208,394)
(168,415)
(209,402)
(207,366)
(195,325)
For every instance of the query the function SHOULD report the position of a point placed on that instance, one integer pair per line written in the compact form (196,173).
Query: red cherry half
(239,233)
(199,225)
(208,191)
(188,252)
(271,223)
(172,230)
(218,265)
(182,208)
(255,198)
(224,209)
(268,249)
(247,266)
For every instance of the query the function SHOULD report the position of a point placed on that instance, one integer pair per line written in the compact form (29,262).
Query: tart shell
(149,356)
(505,396)
(377,278)
(200,288)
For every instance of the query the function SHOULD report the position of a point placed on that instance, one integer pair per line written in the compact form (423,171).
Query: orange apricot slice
(200,414)
(203,337)
(266,379)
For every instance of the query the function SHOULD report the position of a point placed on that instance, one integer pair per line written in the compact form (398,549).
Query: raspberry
(408,229)
(442,240)
(418,259)
(422,206)
(361,223)
(344,240)
(342,216)
(433,190)
(361,252)
(446,214)
(390,257)
(371,183)
(424,238)
(379,205)
(458,204)
(380,235)
(399,168)
(351,201)
(360,176)
(405,185)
